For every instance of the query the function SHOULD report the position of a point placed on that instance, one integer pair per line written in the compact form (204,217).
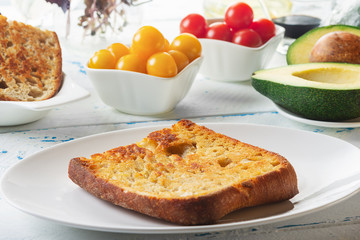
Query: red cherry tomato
(239,15)
(220,31)
(265,28)
(247,37)
(195,24)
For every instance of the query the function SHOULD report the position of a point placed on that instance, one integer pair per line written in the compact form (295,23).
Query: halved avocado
(299,51)
(319,91)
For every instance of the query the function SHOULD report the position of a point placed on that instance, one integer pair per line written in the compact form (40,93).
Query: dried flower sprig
(97,14)
(64,4)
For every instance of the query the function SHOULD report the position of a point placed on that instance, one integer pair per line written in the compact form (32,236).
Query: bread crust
(273,186)
(191,211)
(30,62)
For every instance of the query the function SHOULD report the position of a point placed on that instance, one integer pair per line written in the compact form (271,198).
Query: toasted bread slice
(186,174)
(30,62)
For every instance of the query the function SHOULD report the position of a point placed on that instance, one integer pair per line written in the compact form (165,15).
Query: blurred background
(80,25)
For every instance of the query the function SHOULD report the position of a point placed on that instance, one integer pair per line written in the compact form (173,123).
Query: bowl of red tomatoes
(236,46)
(149,77)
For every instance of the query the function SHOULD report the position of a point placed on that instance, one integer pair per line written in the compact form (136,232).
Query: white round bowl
(226,61)
(142,94)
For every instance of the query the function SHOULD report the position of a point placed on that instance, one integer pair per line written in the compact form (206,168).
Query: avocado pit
(341,45)
(338,46)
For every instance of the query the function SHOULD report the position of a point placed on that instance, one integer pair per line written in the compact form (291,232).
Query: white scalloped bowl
(142,94)
(226,61)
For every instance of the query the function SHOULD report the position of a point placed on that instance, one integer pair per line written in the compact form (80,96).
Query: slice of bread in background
(30,62)
(186,174)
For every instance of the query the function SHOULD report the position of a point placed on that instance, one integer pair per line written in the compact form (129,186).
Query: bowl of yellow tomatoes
(150,76)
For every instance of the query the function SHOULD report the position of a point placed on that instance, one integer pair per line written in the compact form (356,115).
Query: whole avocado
(300,50)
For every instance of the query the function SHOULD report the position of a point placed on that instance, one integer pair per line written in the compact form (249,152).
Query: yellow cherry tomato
(118,49)
(141,55)
(187,44)
(102,59)
(166,45)
(161,64)
(131,62)
(147,41)
(180,58)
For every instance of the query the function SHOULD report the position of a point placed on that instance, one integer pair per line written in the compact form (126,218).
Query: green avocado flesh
(299,51)
(319,91)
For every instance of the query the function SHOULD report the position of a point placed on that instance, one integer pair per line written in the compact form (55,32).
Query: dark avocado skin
(312,103)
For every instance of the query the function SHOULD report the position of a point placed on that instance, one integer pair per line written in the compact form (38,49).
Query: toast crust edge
(274,186)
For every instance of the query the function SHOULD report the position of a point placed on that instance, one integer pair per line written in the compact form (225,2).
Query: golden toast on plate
(187,174)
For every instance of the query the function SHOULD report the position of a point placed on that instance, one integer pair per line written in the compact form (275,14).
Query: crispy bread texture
(186,174)
(30,62)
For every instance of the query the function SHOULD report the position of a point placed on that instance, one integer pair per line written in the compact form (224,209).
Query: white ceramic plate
(343,124)
(16,113)
(39,185)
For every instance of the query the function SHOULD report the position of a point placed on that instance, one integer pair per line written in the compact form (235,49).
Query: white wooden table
(207,102)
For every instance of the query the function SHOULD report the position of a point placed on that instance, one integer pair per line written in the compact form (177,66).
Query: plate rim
(20,112)
(176,229)
(56,100)
(297,118)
